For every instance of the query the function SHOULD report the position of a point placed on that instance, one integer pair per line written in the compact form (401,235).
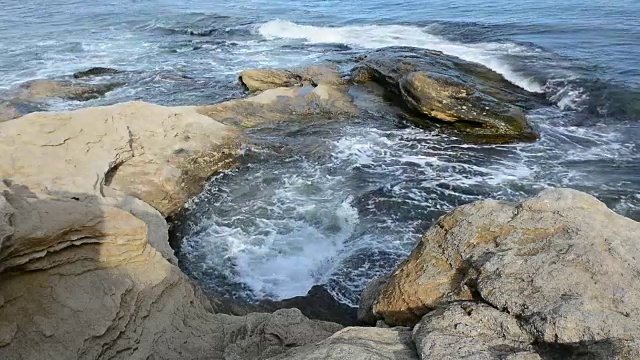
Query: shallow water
(340,202)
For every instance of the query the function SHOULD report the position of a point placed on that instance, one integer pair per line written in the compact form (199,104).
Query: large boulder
(471,97)
(561,263)
(158,154)
(81,281)
(359,343)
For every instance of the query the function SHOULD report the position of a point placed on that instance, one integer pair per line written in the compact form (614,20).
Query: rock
(256,80)
(359,343)
(317,304)
(561,263)
(13,109)
(39,90)
(474,99)
(31,96)
(161,155)
(261,336)
(472,331)
(304,103)
(96,71)
(264,79)
(81,281)
(367,299)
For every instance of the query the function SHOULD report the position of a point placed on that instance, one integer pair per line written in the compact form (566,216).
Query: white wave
(378,36)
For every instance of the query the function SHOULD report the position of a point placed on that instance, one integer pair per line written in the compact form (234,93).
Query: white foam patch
(288,264)
(378,36)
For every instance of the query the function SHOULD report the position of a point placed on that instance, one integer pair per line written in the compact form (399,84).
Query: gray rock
(468,330)
(359,343)
(96,71)
(368,297)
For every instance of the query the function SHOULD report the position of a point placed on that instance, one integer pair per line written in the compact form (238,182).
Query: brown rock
(264,79)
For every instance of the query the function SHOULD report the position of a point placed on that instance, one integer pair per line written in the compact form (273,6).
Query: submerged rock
(38,90)
(96,71)
(469,96)
(561,263)
(31,96)
(14,108)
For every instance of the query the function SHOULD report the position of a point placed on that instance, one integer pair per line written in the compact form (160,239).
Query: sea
(339,203)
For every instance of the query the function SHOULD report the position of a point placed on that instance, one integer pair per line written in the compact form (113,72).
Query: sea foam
(489,54)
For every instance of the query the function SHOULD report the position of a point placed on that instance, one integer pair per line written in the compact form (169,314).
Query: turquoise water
(342,203)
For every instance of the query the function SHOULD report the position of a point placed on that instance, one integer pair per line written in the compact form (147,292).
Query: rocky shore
(86,270)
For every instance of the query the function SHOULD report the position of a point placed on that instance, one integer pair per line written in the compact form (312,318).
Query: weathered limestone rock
(284,104)
(256,80)
(80,281)
(359,343)
(264,79)
(471,97)
(472,331)
(158,154)
(561,263)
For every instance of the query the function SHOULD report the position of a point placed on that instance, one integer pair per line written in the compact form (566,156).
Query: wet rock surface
(96,71)
(473,99)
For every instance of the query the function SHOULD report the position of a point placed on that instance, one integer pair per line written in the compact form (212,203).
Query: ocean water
(340,203)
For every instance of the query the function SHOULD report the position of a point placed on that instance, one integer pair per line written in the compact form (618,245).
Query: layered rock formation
(158,154)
